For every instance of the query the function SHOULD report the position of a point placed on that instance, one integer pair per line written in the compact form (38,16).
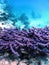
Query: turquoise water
(36,10)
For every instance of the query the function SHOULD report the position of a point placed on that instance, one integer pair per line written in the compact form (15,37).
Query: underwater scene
(24,32)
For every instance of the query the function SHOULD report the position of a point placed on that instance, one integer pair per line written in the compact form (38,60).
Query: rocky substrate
(18,61)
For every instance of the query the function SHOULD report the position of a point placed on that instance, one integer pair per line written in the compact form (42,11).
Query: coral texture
(26,42)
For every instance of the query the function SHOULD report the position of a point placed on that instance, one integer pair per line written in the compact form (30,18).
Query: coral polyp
(31,42)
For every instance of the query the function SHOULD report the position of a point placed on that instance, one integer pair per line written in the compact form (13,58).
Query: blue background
(36,10)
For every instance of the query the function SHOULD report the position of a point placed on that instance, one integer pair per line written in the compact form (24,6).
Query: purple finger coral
(31,42)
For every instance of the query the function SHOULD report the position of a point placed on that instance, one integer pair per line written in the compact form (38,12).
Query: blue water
(36,10)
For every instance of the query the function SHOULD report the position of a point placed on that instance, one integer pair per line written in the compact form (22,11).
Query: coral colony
(31,42)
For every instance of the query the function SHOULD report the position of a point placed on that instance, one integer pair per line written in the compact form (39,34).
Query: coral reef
(26,42)
(23,43)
